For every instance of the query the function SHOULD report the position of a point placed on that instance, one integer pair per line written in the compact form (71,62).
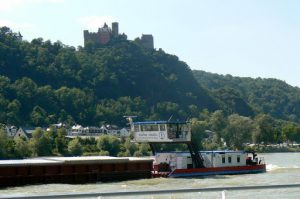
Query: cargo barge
(73,170)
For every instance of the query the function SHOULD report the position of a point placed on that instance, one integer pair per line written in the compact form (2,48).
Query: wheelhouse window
(151,127)
(223,159)
(238,159)
(229,159)
(162,127)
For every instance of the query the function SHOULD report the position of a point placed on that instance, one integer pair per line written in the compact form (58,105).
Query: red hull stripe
(218,170)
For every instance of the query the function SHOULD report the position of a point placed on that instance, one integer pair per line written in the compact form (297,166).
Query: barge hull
(74,171)
(177,173)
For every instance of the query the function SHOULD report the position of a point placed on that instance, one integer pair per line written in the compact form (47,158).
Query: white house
(77,130)
(11,130)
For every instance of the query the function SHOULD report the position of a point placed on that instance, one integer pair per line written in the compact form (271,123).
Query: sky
(246,38)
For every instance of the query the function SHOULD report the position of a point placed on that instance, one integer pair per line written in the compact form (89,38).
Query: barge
(73,170)
(194,163)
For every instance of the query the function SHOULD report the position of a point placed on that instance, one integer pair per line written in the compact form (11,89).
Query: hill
(43,82)
(269,96)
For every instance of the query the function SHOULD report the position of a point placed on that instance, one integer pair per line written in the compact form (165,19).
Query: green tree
(3,143)
(110,144)
(14,112)
(22,147)
(238,131)
(75,147)
(218,124)
(61,142)
(41,144)
(264,130)
(198,131)
(38,116)
(291,132)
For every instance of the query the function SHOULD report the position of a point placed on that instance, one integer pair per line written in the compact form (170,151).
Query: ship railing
(129,194)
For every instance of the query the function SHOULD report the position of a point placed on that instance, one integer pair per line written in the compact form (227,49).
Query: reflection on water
(282,168)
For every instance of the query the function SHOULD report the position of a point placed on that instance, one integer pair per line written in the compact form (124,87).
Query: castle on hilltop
(106,34)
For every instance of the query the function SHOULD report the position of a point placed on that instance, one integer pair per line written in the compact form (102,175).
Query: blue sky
(248,38)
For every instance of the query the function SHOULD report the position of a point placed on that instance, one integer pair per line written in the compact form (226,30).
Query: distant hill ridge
(271,96)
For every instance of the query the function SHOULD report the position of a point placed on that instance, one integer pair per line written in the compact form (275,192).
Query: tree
(41,144)
(3,141)
(22,147)
(61,142)
(75,148)
(238,131)
(198,131)
(264,130)
(291,132)
(38,116)
(218,124)
(13,112)
(109,143)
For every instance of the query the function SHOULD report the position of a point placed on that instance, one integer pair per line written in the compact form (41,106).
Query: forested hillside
(269,96)
(43,82)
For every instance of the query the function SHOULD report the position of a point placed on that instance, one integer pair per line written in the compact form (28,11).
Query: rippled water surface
(283,168)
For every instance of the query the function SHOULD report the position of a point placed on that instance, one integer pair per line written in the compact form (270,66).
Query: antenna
(170,118)
(188,119)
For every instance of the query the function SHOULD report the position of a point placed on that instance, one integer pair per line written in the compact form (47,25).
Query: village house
(25,132)
(11,130)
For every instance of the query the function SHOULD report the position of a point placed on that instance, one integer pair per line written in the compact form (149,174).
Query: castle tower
(147,41)
(86,36)
(115,29)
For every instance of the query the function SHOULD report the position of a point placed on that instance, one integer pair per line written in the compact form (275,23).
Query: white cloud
(16,26)
(9,5)
(94,22)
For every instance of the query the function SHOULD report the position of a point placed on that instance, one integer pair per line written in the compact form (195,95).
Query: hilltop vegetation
(43,82)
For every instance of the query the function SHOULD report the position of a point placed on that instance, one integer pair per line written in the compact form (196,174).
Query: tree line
(55,143)
(236,131)
(210,131)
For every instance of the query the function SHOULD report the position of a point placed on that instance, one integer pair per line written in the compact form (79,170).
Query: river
(282,168)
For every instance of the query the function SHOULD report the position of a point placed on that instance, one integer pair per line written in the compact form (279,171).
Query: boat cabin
(161,131)
(183,160)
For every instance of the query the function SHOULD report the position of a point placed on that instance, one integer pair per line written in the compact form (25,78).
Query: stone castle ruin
(105,34)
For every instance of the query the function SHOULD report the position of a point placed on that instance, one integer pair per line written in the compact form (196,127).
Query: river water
(282,168)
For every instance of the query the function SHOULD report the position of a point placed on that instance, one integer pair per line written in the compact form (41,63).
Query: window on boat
(136,128)
(229,159)
(172,128)
(162,127)
(238,159)
(223,159)
(152,127)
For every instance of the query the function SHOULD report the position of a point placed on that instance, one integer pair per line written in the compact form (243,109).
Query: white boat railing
(156,192)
